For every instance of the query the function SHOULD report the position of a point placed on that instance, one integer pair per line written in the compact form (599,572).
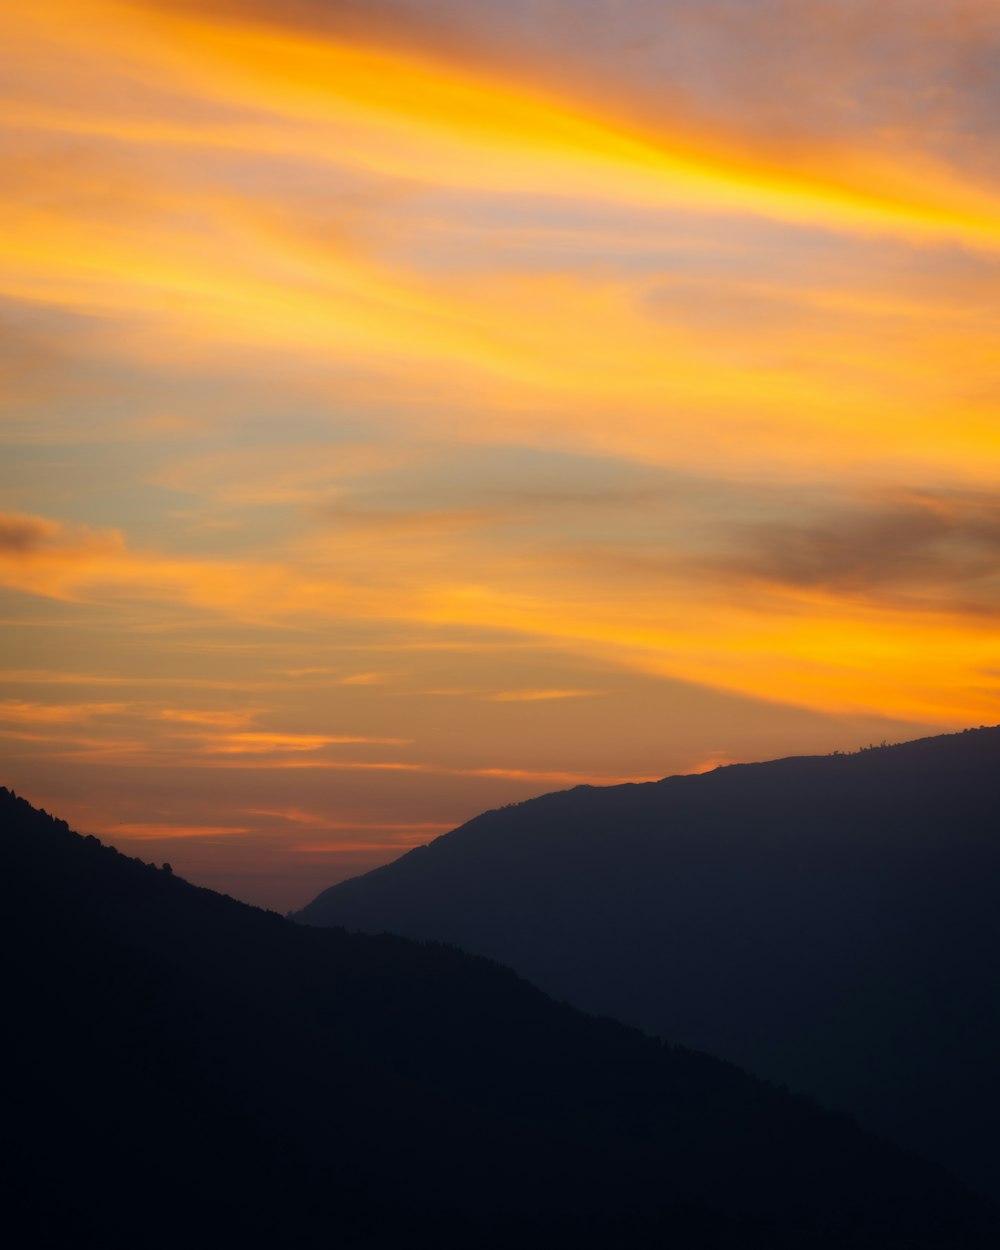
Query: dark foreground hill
(830,923)
(182,1069)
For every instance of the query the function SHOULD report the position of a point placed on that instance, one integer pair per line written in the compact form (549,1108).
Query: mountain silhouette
(184,1069)
(830,923)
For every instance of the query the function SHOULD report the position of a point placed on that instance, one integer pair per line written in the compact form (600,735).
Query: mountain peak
(827,921)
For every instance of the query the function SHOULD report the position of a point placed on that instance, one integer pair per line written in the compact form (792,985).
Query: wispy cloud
(362,679)
(21,712)
(214,719)
(254,743)
(143,832)
(537,696)
(415,117)
(323,820)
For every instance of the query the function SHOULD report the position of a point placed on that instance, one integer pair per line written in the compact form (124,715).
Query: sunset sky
(411,407)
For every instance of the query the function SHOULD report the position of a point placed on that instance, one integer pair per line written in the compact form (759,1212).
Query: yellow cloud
(841,650)
(409,115)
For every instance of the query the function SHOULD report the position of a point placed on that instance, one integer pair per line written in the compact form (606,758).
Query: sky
(411,407)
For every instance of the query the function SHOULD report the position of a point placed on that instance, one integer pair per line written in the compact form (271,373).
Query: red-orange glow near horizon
(404,417)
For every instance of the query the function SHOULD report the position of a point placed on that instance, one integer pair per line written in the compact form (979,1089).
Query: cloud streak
(412,116)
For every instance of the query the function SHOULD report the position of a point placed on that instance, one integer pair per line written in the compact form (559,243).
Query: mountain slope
(830,923)
(184,1068)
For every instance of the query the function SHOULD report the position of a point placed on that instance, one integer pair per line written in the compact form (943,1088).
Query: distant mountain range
(831,923)
(182,1069)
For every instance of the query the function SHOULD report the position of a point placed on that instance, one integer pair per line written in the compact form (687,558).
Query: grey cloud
(922,544)
(20,535)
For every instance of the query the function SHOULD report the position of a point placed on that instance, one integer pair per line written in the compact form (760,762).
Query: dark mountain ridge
(828,922)
(184,1068)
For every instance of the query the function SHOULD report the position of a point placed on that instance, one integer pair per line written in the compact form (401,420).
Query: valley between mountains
(182,1067)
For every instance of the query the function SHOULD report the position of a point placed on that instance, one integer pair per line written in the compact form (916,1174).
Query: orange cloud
(827,647)
(716,759)
(266,743)
(536,776)
(59,561)
(361,679)
(42,556)
(555,777)
(20,711)
(813,648)
(215,719)
(167,832)
(537,696)
(321,820)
